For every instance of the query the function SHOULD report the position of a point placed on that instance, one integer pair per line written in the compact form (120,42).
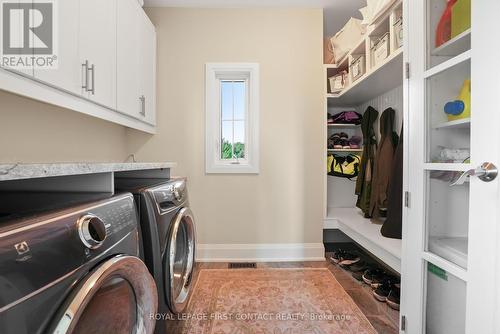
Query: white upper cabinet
(67,75)
(148,68)
(97,48)
(106,60)
(136,62)
(128,58)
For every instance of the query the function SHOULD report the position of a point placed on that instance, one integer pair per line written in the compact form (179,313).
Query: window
(232,118)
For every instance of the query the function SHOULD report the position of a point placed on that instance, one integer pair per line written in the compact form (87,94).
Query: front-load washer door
(179,260)
(119,296)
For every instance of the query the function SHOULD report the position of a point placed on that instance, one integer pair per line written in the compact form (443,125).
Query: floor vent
(242,265)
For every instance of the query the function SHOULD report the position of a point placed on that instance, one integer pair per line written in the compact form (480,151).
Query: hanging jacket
(392,227)
(364,180)
(383,164)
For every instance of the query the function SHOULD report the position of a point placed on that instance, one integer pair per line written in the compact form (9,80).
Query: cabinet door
(16,34)
(67,76)
(97,41)
(148,68)
(451,235)
(128,62)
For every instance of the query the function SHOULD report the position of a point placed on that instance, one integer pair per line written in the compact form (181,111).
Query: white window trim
(231,71)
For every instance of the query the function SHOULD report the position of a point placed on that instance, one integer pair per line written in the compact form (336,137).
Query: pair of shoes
(358,269)
(342,141)
(344,258)
(389,293)
(338,141)
(372,275)
(379,280)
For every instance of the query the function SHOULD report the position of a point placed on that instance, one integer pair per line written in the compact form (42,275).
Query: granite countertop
(31,171)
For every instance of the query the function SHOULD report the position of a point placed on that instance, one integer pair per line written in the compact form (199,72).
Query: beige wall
(32,131)
(283,204)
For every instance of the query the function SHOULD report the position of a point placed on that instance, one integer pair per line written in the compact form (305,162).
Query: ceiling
(337,12)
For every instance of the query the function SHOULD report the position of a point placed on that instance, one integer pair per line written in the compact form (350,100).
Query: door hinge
(403,323)
(407,70)
(407,199)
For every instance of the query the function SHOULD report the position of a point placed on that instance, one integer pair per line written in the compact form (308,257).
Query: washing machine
(168,236)
(72,268)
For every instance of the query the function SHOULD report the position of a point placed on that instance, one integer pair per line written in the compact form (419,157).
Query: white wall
(32,131)
(283,204)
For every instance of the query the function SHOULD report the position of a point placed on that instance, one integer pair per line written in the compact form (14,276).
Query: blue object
(454,108)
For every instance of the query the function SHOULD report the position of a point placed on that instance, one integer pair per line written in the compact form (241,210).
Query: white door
(451,261)
(129,52)
(97,41)
(148,69)
(67,76)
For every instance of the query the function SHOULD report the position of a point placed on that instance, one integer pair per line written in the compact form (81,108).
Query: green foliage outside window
(227,150)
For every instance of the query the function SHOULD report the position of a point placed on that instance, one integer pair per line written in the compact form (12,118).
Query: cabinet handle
(85,75)
(92,69)
(142,98)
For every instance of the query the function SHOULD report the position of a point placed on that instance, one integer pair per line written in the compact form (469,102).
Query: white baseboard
(260,252)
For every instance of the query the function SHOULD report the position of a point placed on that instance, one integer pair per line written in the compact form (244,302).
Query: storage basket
(338,82)
(398,33)
(380,50)
(358,67)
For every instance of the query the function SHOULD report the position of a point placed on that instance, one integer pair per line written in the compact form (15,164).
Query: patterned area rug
(270,301)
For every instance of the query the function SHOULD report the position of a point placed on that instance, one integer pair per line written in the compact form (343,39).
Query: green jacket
(364,181)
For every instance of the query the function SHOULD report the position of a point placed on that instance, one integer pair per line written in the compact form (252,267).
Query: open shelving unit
(376,81)
(340,210)
(367,234)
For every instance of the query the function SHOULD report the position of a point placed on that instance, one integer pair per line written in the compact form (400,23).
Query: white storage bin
(358,67)
(338,82)
(380,50)
(398,33)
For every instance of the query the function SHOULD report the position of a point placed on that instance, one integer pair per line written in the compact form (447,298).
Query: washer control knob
(92,231)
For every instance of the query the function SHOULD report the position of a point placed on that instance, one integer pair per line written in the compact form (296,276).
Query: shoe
(332,139)
(358,275)
(345,144)
(371,274)
(344,258)
(355,142)
(382,292)
(393,298)
(338,144)
(337,255)
(379,279)
(360,266)
(343,135)
(349,259)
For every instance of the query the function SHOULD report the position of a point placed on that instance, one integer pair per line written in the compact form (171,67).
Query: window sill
(232,169)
